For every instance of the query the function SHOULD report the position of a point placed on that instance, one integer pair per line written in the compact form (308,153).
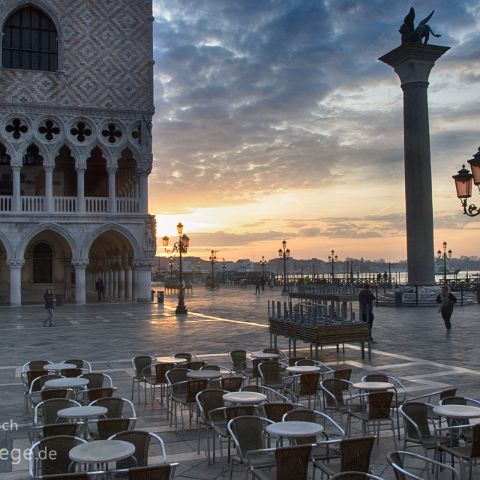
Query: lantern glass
(475,166)
(280,252)
(165,240)
(179,229)
(463,183)
(185,241)
(284,243)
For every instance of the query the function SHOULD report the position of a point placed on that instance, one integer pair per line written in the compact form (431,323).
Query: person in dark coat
(365,300)
(446,300)
(49,299)
(100,289)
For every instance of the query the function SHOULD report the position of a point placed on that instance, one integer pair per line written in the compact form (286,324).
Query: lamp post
(181,247)
(263,264)
(463,184)
(199,268)
(224,266)
(443,255)
(170,265)
(213,259)
(284,253)
(332,258)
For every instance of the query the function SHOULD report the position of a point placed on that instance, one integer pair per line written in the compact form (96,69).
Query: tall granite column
(413,63)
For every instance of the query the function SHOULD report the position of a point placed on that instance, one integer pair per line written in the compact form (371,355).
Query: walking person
(49,299)
(100,289)
(446,299)
(365,300)
(257,286)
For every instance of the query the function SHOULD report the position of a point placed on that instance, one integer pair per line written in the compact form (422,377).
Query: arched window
(30,41)
(42,263)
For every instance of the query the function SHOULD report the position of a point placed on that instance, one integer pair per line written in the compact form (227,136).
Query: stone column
(121,283)
(143,187)
(413,63)
(81,189)
(49,206)
(115,284)
(80,285)
(17,201)
(15,267)
(143,280)
(112,199)
(110,283)
(128,284)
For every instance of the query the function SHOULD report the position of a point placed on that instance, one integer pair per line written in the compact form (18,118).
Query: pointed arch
(7,246)
(54,227)
(41,148)
(85,249)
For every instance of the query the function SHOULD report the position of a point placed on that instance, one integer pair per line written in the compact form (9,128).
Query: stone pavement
(411,344)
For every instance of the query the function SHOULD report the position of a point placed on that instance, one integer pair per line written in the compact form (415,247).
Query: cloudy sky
(275,120)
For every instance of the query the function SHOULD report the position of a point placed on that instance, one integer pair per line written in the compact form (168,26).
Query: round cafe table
(83,413)
(263,355)
(247,398)
(373,386)
(75,382)
(173,360)
(294,429)
(303,369)
(204,374)
(102,451)
(457,411)
(56,367)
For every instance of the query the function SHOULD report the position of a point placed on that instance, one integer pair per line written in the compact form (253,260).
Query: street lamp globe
(165,241)
(179,229)
(475,166)
(463,183)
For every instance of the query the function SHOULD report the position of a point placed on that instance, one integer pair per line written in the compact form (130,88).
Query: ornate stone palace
(76,103)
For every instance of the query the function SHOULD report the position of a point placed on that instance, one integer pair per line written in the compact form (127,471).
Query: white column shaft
(143,185)
(112,200)
(15,286)
(17,201)
(80,290)
(80,190)
(49,189)
(128,284)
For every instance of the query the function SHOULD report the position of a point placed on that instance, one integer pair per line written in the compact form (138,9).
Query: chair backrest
(379,405)
(68,476)
(232,384)
(235,411)
(139,363)
(355,453)
(302,415)
(275,411)
(292,462)
(97,393)
(309,383)
(270,372)
(35,365)
(453,401)
(355,476)
(110,426)
(197,365)
(292,361)
(97,380)
(448,392)
(31,375)
(48,393)
(375,377)
(248,433)
(157,472)
(394,458)
(186,356)
(52,464)
(209,400)
(214,368)
(55,429)
(160,371)
(176,375)
(305,362)
(475,445)
(238,357)
(71,372)
(193,387)
(415,414)
(142,441)
(46,411)
(343,374)
(79,363)
(115,406)
(38,382)
(333,388)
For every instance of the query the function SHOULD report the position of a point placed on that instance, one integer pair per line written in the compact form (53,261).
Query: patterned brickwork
(105,58)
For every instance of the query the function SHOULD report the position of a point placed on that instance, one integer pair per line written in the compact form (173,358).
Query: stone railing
(96,204)
(5,203)
(33,204)
(128,205)
(65,204)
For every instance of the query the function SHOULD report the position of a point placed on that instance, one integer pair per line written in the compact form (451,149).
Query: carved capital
(80,263)
(112,170)
(15,263)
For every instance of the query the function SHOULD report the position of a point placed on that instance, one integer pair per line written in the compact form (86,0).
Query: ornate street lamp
(181,247)
(444,256)
(224,266)
(463,184)
(332,258)
(284,253)
(263,264)
(213,259)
